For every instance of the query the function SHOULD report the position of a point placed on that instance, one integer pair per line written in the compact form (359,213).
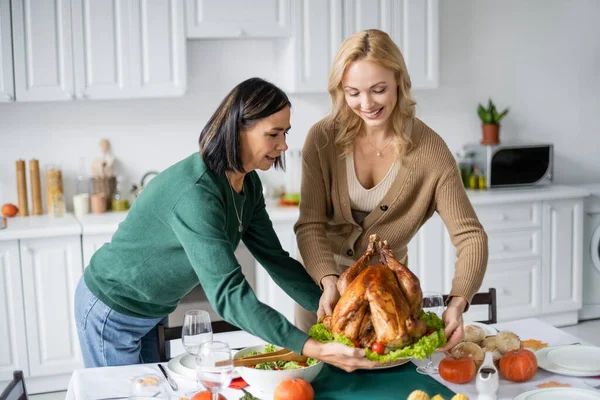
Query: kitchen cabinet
(206,19)
(82,49)
(7,89)
(412,24)
(304,60)
(319,28)
(13,346)
(563,257)
(51,268)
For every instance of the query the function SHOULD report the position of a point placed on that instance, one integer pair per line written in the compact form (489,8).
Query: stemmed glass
(195,331)
(214,366)
(432,302)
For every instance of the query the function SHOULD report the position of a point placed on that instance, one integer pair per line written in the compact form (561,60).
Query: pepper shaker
(487,381)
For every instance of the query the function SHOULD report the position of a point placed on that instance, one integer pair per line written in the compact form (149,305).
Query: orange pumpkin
(206,395)
(518,365)
(294,389)
(457,370)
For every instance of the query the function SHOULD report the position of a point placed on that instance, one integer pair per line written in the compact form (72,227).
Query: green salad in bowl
(421,349)
(279,365)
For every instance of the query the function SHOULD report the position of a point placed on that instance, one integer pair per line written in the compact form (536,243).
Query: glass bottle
(120,200)
(465,167)
(58,205)
(477,180)
(81,198)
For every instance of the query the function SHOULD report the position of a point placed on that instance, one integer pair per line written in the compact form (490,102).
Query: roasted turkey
(379,303)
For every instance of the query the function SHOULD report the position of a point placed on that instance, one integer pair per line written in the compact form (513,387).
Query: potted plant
(490,118)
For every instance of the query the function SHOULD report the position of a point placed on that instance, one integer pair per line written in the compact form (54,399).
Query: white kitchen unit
(319,27)
(412,24)
(535,252)
(207,19)
(7,88)
(13,345)
(97,229)
(82,49)
(304,60)
(41,264)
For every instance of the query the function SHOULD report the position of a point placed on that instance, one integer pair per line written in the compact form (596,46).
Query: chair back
(16,388)
(173,333)
(485,298)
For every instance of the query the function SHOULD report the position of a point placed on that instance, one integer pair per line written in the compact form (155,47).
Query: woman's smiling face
(370,91)
(265,141)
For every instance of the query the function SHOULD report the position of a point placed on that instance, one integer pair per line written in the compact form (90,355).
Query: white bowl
(268,380)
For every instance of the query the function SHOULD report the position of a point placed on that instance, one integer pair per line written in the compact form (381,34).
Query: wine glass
(214,366)
(432,302)
(196,330)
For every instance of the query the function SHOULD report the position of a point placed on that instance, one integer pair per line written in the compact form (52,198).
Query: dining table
(335,384)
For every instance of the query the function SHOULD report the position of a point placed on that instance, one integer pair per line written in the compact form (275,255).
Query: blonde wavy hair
(376,46)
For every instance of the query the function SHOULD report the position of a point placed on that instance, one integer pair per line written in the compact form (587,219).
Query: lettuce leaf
(421,349)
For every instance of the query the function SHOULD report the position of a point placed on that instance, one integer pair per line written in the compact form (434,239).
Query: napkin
(238,383)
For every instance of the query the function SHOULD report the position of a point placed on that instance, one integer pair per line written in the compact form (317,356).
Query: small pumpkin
(206,395)
(294,389)
(518,365)
(418,395)
(437,397)
(457,370)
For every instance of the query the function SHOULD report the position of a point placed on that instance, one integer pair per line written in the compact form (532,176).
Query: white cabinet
(304,60)
(83,49)
(13,347)
(412,24)
(51,268)
(43,50)
(7,89)
(563,254)
(237,18)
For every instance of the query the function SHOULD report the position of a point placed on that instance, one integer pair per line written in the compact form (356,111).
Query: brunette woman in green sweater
(183,230)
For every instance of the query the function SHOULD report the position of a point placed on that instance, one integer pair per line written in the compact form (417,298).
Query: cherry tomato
(277,368)
(378,348)
(355,343)
(303,364)
(429,331)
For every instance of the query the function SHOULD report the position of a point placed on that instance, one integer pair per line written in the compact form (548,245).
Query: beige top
(428,181)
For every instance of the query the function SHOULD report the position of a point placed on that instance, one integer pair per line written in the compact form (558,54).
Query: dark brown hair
(248,102)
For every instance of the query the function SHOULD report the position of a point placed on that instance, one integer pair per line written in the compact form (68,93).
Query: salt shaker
(487,381)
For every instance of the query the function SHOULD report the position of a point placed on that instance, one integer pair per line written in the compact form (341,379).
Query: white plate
(576,358)
(489,330)
(184,366)
(558,394)
(393,364)
(545,363)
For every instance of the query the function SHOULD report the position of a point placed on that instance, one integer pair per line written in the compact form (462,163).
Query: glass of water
(214,366)
(196,330)
(432,302)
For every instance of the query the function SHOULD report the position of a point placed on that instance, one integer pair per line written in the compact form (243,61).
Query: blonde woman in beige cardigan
(372,167)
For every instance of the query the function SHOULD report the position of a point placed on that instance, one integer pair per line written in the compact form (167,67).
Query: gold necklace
(378,151)
(241,214)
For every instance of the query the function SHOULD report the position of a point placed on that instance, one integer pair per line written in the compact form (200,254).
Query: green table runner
(391,383)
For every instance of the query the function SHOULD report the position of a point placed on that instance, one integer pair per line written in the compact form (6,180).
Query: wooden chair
(173,333)
(16,388)
(483,298)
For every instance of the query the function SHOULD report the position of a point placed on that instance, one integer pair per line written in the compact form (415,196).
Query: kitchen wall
(540,57)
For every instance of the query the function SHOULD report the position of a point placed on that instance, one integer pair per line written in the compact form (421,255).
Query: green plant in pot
(490,117)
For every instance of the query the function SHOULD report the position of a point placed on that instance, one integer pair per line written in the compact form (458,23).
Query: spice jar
(54,185)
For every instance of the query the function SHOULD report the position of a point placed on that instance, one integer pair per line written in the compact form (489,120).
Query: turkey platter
(380,308)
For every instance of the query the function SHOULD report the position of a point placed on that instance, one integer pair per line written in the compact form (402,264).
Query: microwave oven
(513,164)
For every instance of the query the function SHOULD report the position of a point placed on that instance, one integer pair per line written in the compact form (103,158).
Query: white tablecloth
(98,383)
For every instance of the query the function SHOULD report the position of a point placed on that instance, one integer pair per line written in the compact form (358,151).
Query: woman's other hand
(453,322)
(330,296)
(338,354)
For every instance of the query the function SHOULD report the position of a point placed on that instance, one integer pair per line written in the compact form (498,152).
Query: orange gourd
(206,395)
(457,370)
(294,389)
(518,365)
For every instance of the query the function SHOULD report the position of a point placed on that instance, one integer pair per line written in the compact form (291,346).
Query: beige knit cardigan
(428,182)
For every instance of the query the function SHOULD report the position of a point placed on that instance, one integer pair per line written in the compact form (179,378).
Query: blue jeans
(108,338)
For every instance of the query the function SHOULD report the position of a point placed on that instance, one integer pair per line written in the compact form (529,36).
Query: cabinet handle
(7,96)
(81,95)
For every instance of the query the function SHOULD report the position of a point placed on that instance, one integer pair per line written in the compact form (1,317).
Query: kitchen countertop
(47,225)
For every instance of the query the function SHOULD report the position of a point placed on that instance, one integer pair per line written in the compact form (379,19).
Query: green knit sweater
(182,231)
